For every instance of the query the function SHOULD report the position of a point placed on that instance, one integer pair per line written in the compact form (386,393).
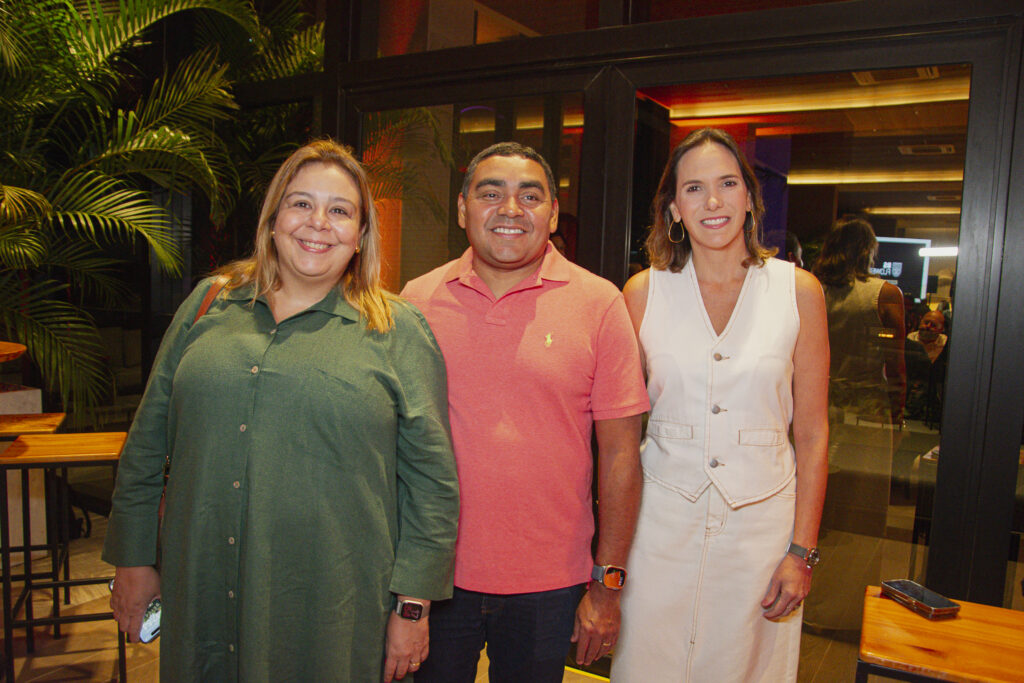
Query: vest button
(714,462)
(715,410)
(717,356)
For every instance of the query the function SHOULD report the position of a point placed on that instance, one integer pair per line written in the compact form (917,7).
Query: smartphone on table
(916,597)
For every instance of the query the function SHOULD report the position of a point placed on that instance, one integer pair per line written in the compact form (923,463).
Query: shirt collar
(554,267)
(333,304)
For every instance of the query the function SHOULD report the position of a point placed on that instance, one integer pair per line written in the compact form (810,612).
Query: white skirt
(691,607)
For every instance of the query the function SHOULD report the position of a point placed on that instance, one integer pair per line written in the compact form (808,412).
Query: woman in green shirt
(313,487)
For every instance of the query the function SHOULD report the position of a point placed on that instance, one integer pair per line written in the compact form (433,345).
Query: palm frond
(18,204)
(91,274)
(99,208)
(303,53)
(192,97)
(21,247)
(170,158)
(61,338)
(103,34)
(13,47)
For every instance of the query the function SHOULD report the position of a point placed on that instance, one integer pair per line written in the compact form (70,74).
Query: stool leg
(5,563)
(26,531)
(122,661)
(862,672)
(65,504)
(53,540)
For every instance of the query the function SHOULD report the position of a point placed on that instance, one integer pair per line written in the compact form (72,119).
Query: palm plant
(80,153)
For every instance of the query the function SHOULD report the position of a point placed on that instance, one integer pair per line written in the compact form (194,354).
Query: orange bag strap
(211,294)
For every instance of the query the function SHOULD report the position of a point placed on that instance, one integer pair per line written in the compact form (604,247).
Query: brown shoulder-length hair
(360,283)
(847,253)
(666,255)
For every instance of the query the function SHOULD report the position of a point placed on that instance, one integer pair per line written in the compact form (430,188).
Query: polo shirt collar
(332,304)
(553,267)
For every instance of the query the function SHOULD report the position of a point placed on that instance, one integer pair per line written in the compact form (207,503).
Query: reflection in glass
(408,26)
(424,153)
(886,147)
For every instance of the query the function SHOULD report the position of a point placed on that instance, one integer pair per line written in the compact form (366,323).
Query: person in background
(931,334)
(926,359)
(540,354)
(312,502)
(867,393)
(736,351)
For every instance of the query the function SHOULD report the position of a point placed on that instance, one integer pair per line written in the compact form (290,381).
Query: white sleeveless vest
(721,406)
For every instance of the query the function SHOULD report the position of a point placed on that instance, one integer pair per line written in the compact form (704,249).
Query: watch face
(614,578)
(410,610)
(813,557)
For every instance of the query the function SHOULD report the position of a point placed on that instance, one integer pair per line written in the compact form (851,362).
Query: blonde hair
(667,255)
(360,283)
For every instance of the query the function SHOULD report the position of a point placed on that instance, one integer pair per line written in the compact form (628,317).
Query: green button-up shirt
(312,479)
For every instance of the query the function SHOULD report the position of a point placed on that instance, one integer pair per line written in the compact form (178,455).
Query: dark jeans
(527,636)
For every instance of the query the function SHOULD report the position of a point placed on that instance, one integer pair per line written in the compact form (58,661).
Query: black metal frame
(865,669)
(982,426)
(57,544)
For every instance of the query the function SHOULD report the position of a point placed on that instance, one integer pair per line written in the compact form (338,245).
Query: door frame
(982,427)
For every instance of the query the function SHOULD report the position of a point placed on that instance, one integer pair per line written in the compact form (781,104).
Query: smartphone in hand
(150,629)
(916,597)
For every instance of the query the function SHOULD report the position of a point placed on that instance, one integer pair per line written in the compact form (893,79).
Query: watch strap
(610,576)
(809,555)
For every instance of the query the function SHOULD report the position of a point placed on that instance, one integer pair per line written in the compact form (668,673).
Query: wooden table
(30,423)
(10,351)
(982,643)
(49,452)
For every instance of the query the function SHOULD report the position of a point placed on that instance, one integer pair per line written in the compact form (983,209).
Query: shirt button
(255,369)
(231,540)
(273,331)
(231,594)
(236,484)
(717,356)
(715,410)
(714,462)
(241,428)
(231,647)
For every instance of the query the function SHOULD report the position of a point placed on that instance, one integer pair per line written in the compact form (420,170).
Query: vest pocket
(669,430)
(762,437)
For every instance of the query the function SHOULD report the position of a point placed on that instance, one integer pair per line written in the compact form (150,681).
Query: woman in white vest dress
(735,346)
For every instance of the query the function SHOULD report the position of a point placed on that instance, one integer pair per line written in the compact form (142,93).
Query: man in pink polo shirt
(539,352)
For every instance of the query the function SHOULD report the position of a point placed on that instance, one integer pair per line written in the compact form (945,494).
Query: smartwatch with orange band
(610,576)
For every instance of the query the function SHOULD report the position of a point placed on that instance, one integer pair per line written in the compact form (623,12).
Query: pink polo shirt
(527,375)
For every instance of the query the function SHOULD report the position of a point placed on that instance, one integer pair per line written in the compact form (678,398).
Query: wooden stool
(49,452)
(12,426)
(982,643)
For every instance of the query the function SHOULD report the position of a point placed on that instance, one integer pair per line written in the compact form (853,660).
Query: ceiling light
(913,210)
(848,177)
(835,97)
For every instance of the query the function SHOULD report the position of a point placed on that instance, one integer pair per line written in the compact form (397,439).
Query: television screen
(899,262)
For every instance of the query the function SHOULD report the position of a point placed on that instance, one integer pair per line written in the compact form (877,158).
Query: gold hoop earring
(272,233)
(753,224)
(682,232)
(357,250)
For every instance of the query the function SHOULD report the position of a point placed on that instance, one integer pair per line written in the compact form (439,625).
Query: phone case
(918,605)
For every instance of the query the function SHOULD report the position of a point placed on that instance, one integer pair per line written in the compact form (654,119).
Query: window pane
(406,150)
